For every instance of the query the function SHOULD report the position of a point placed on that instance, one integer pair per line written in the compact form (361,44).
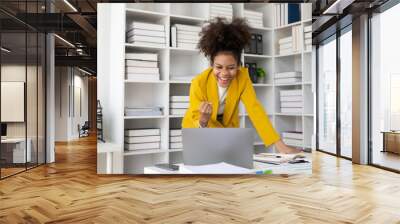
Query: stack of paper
(143,111)
(141,67)
(293,138)
(254,19)
(223,10)
(291,101)
(138,139)
(185,36)
(287,77)
(307,38)
(175,139)
(147,34)
(178,105)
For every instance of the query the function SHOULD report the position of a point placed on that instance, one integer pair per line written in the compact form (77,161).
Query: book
(175,132)
(308,35)
(179,98)
(149,44)
(291,92)
(292,104)
(141,56)
(291,110)
(187,45)
(142,77)
(137,38)
(141,70)
(142,132)
(293,135)
(140,146)
(142,139)
(183,36)
(287,75)
(177,111)
(151,33)
(293,142)
(293,13)
(308,41)
(139,63)
(173,36)
(180,41)
(286,46)
(182,27)
(285,40)
(216,8)
(285,51)
(179,105)
(291,98)
(287,80)
(308,28)
(175,139)
(253,13)
(175,145)
(143,111)
(146,26)
(253,44)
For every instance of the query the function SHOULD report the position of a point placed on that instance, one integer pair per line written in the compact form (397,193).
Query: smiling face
(225,68)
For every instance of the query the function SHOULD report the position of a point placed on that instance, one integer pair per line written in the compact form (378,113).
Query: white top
(222,96)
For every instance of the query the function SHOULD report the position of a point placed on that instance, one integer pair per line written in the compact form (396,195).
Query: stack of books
(138,139)
(141,67)
(291,44)
(185,36)
(223,10)
(286,13)
(287,77)
(285,45)
(307,38)
(146,34)
(178,105)
(254,19)
(143,111)
(291,101)
(293,138)
(175,139)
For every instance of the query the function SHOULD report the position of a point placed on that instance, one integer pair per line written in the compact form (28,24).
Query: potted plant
(260,75)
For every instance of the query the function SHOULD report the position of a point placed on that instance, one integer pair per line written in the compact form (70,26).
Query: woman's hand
(205,113)
(283,148)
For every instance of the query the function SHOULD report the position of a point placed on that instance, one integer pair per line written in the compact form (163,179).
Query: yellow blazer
(204,88)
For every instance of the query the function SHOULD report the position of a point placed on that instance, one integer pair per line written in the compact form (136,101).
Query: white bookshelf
(175,63)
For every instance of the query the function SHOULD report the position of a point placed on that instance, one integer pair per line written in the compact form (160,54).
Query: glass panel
(13,87)
(327,96)
(385,86)
(346,94)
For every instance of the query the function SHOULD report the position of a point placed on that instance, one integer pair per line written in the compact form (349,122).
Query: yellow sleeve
(257,114)
(192,115)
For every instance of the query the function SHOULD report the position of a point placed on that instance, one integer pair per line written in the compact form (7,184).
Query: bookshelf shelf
(175,115)
(144,117)
(144,14)
(287,26)
(257,56)
(178,66)
(144,152)
(143,47)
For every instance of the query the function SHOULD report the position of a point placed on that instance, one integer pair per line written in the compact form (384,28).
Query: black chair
(84,130)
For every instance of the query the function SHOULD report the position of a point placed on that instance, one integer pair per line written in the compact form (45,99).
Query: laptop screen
(3,129)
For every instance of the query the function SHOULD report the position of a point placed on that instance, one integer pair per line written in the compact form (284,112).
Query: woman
(216,92)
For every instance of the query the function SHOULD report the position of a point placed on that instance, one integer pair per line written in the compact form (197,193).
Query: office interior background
(49,84)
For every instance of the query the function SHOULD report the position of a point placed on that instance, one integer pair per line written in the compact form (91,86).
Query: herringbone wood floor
(70,191)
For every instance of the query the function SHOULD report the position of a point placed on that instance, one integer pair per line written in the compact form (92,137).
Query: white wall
(68,81)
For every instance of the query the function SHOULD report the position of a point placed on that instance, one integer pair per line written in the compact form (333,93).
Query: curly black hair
(223,36)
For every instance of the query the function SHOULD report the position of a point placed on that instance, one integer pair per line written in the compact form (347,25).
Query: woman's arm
(260,120)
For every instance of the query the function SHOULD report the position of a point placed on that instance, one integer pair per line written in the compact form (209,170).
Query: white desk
(19,149)
(285,168)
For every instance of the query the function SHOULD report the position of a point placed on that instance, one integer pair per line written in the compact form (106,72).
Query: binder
(259,44)
(253,44)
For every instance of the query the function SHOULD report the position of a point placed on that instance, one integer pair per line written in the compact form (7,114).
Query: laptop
(202,146)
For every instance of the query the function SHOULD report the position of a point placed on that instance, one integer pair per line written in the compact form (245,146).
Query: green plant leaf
(261,72)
